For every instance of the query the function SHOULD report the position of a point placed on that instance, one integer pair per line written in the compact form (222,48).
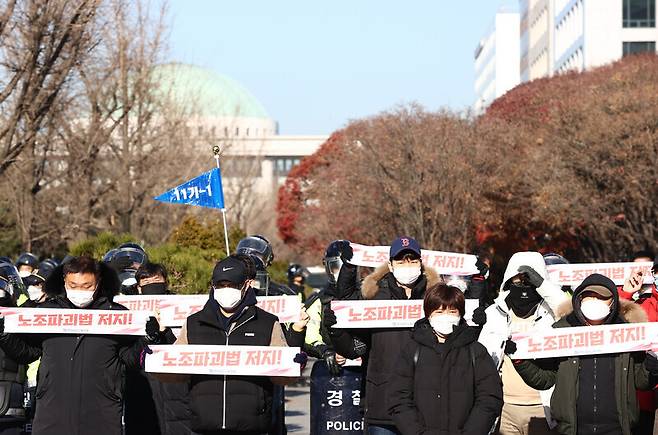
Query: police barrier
(335,401)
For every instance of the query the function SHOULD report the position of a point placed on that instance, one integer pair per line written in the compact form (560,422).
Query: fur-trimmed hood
(629,311)
(370,285)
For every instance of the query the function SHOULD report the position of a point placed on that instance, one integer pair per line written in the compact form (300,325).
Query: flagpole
(216,151)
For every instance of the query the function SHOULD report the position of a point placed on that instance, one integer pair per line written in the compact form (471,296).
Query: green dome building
(218,105)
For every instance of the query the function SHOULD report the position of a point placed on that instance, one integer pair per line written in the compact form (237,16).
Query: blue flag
(204,191)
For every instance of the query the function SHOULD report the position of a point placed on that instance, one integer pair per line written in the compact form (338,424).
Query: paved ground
(298,409)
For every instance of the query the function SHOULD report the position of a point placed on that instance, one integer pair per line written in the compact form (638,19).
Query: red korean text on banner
(586,340)
(224,360)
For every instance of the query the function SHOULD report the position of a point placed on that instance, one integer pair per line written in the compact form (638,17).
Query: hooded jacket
(566,373)
(80,380)
(383,345)
(442,389)
(498,327)
(649,304)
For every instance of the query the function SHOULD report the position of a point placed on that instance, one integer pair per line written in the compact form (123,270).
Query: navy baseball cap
(230,269)
(402,244)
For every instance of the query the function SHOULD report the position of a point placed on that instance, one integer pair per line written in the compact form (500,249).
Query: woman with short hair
(445,382)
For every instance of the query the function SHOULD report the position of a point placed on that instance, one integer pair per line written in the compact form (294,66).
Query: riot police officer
(260,249)
(125,260)
(12,374)
(26,263)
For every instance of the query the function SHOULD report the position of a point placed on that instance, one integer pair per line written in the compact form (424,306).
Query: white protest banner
(377,314)
(445,263)
(174,309)
(72,321)
(574,274)
(223,360)
(586,340)
(286,308)
(386,314)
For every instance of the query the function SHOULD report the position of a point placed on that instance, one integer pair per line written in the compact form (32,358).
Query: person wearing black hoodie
(153,407)
(444,381)
(80,381)
(593,394)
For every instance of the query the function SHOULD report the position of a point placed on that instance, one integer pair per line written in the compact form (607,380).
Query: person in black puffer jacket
(444,381)
(80,381)
(403,278)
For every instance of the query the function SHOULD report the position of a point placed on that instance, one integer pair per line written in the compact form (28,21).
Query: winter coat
(231,403)
(153,407)
(12,378)
(649,304)
(498,327)
(564,373)
(448,388)
(383,345)
(172,403)
(80,381)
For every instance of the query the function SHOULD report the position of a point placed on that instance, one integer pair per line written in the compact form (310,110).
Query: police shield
(335,401)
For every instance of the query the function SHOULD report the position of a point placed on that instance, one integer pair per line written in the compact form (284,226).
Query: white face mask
(406,275)
(24,273)
(34,292)
(228,297)
(594,309)
(80,298)
(444,324)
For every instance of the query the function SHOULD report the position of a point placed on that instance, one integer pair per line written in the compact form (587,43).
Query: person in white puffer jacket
(527,301)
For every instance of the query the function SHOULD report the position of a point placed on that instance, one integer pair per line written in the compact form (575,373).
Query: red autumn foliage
(565,164)
(290,196)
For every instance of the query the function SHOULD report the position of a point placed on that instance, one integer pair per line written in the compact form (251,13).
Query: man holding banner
(404,277)
(232,404)
(80,382)
(585,385)
(527,301)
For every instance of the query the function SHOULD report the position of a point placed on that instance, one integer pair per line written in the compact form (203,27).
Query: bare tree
(41,42)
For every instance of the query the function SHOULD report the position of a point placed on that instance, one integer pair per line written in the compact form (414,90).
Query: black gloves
(479,316)
(510,347)
(329,317)
(482,267)
(329,357)
(346,252)
(534,277)
(301,359)
(153,334)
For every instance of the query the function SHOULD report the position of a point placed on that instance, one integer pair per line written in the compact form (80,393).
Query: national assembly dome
(221,106)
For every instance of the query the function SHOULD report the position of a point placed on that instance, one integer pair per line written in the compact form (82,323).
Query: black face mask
(523,299)
(156,288)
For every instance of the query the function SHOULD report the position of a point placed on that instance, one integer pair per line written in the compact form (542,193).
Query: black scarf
(523,300)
